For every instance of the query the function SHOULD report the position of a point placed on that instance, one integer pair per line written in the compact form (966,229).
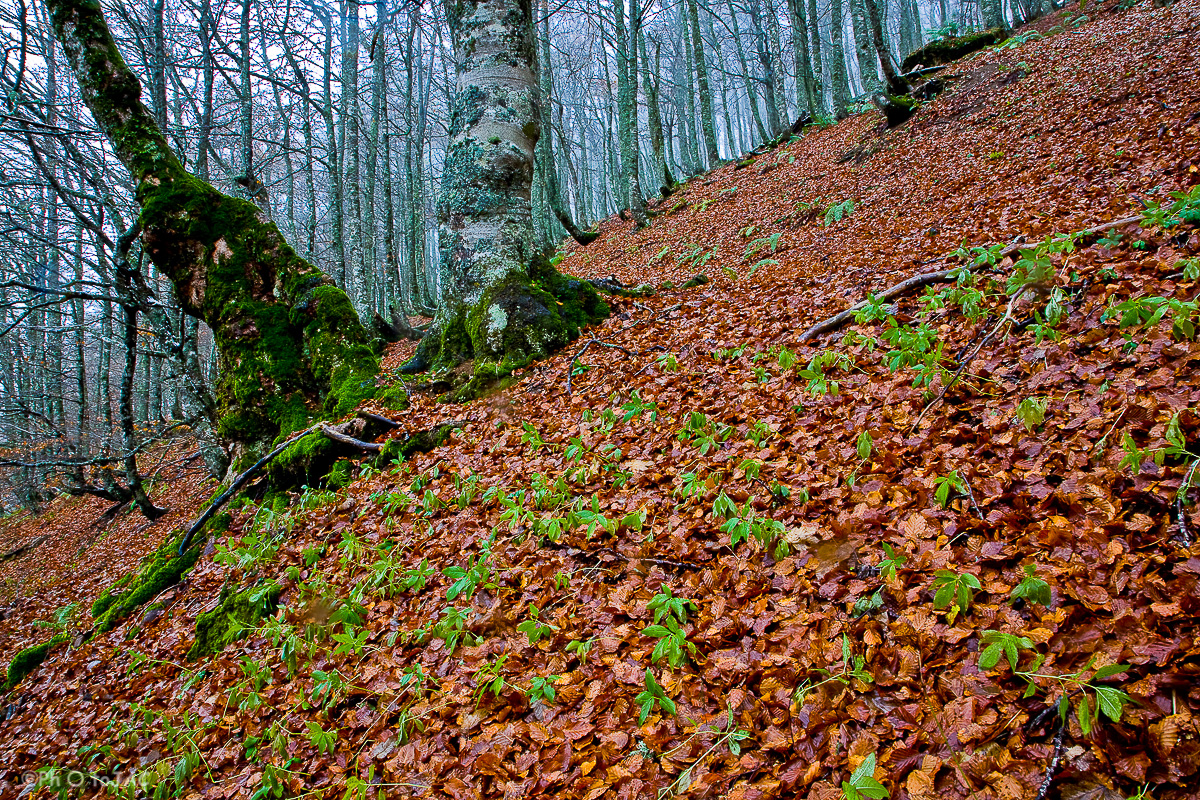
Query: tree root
(942,276)
(238,482)
(333,434)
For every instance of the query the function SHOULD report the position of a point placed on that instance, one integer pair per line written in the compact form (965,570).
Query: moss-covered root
(236,614)
(420,442)
(517,319)
(29,659)
(164,569)
(943,51)
(896,108)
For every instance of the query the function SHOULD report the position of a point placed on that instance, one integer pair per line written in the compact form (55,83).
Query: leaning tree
(501,303)
(290,342)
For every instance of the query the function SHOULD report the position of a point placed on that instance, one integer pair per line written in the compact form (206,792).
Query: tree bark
(864,52)
(288,339)
(626,52)
(837,57)
(707,123)
(545,143)
(501,303)
(654,116)
(805,95)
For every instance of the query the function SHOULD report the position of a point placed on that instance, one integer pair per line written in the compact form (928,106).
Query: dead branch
(379,419)
(336,435)
(23,549)
(1185,535)
(1044,789)
(1007,318)
(238,482)
(929,278)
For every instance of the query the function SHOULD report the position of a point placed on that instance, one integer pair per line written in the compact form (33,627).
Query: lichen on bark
(502,304)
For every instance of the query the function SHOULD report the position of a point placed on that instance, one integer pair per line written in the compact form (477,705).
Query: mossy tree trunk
(288,338)
(501,303)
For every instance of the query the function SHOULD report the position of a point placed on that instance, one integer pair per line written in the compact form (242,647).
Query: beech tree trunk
(707,124)
(502,303)
(288,339)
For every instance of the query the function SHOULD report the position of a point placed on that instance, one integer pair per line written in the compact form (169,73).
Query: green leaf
(865,769)
(1084,711)
(1112,701)
(989,657)
(1109,671)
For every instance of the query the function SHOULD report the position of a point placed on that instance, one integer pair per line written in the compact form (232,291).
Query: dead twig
(602,343)
(1185,535)
(334,434)
(1058,748)
(379,418)
(238,482)
(942,276)
(1008,317)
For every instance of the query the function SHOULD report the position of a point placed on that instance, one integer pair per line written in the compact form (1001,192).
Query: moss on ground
(402,448)
(236,614)
(29,659)
(161,570)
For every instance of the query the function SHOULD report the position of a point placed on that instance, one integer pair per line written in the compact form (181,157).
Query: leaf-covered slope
(718,567)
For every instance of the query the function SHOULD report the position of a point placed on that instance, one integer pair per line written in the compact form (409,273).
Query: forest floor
(692,555)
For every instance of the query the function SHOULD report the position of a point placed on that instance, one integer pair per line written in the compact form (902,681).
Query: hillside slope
(694,555)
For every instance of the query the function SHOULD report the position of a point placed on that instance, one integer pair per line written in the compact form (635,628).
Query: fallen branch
(582,350)
(238,482)
(941,276)
(1044,789)
(967,361)
(379,419)
(22,550)
(334,434)
(1185,535)
(421,441)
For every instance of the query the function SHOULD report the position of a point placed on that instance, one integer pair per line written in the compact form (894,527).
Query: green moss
(304,463)
(162,570)
(29,659)
(944,51)
(394,397)
(518,318)
(899,108)
(699,279)
(236,614)
(402,448)
(110,595)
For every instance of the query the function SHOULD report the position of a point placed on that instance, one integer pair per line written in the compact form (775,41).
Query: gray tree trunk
(707,122)
(837,56)
(500,304)
(751,89)
(805,88)
(868,62)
